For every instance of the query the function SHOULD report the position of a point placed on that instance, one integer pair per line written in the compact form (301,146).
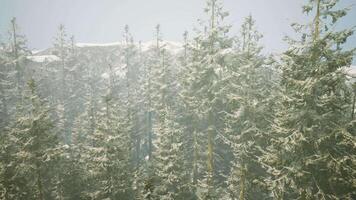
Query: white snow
(145,46)
(43,58)
(351,71)
(105,75)
(118,71)
(36,51)
(227,51)
(98,44)
(171,46)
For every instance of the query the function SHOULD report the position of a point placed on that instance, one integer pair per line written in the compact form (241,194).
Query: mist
(163,99)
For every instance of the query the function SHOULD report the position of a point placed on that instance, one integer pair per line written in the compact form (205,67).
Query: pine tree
(85,127)
(12,59)
(189,116)
(251,108)
(5,87)
(31,138)
(152,65)
(168,163)
(14,54)
(131,67)
(110,155)
(69,82)
(353,101)
(312,150)
(61,48)
(186,118)
(86,123)
(18,51)
(204,85)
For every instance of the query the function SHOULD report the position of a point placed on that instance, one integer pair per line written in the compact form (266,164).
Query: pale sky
(101,21)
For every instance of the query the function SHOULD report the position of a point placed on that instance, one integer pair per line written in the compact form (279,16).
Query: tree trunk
(210,114)
(210,154)
(195,160)
(242,184)
(353,107)
(16,57)
(317,21)
(39,183)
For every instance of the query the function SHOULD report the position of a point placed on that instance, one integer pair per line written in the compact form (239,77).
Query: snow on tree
(248,122)
(210,118)
(30,141)
(202,93)
(313,146)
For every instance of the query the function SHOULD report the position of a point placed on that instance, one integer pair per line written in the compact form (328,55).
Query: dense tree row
(216,120)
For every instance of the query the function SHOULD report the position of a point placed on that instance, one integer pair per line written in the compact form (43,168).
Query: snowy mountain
(42,58)
(48,55)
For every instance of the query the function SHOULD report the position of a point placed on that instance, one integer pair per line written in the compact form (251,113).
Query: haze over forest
(210,110)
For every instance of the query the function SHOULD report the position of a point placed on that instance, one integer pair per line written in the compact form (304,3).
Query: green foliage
(312,151)
(251,105)
(213,118)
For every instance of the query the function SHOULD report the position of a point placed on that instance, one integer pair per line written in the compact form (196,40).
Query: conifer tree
(312,150)
(69,74)
(12,59)
(110,155)
(132,70)
(153,102)
(251,108)
(18,51)
(32,139)
(190,104)
(173,181)
(13,73)
(205,82)
(4,87)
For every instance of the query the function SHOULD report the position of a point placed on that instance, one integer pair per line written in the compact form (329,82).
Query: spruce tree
(68,76)
(172,179)
(152,102)
(13,78)
(12,59)
(312,150)
(32,139)
(251,108)
(110,155)
(204,86)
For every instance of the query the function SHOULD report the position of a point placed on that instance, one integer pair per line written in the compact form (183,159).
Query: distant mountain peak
(173,46)
(48,55)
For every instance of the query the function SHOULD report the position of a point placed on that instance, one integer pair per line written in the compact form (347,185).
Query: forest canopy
(212,117)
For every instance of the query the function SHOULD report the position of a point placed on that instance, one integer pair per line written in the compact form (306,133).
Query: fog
(103,21)
(177,99)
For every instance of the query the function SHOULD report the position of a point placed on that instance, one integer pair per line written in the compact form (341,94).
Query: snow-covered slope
(42,58)
(98,44)
(102,49)
(171,46)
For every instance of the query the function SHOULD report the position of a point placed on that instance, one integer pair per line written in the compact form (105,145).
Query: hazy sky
(100,21)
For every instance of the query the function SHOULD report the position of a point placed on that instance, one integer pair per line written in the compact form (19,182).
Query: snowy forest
(211,117)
